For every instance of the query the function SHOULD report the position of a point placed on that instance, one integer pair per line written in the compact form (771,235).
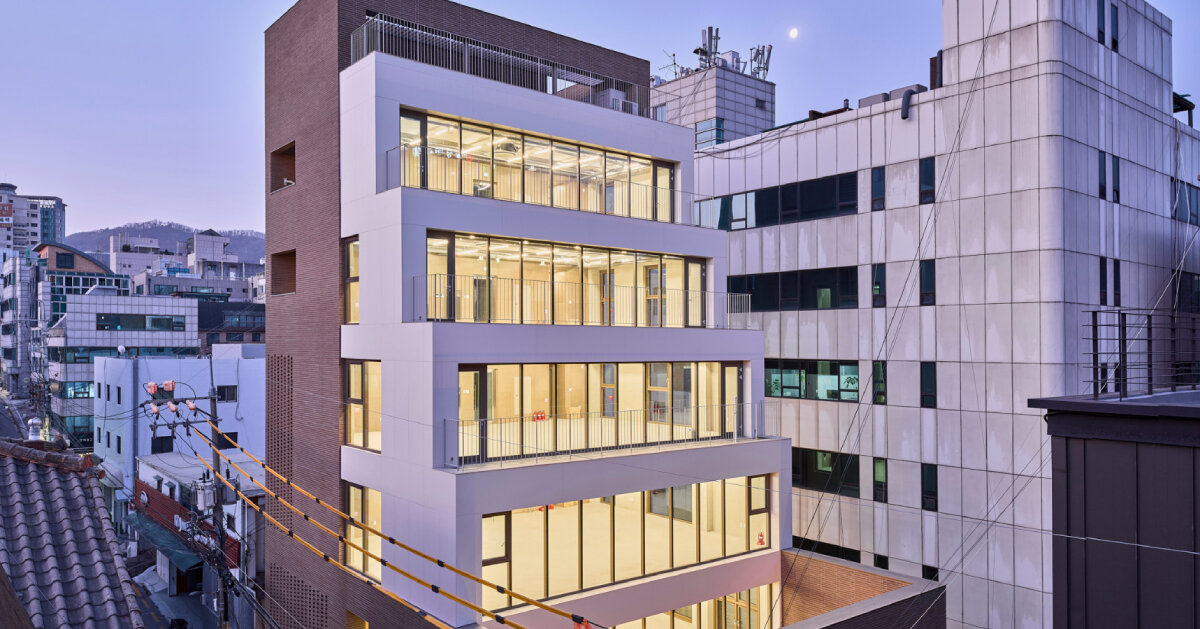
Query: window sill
(283,188)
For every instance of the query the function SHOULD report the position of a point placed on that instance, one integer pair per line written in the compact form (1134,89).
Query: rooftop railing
(1133,352)
(540,435)
(481,299)
(423,44)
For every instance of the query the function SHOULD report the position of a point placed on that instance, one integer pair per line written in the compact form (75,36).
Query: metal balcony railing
(470,442)
(479,299)
(1134,351)
(423,44)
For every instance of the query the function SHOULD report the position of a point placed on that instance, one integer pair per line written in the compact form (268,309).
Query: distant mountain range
(247,244)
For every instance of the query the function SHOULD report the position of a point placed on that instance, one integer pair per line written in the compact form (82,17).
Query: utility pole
(219,497)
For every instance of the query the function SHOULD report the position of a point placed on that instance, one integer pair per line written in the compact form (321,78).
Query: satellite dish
(120,349)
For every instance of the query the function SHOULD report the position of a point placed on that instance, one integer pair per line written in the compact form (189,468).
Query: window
(159,445)
(225,440)
(878,285)
(118,322)
(880,487)
(812,379)
(760,104)
(1115,27)
(881,562)
(878,181)
(1116,179)
(928,385)
(256,337)
(283,167)
(928,283)
(929,487)
(825,471)
(1116,282)
(118,395)
(1103,192)
(660,113)
(64,260)
(710,132)
(364,402)
(364,505)
(234,337)
(1100,20)
(927,191)
(879,379)
(929,573)
(830,550)
(108,392)
(227,393)
(283,272)
(76,390)
(350,260)
(164,289)
(1103,281)
(212,338)
(118,444)
(108,439)
(813,289)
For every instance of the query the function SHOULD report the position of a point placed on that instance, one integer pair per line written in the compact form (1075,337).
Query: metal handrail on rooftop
(1138,351)
(424,44)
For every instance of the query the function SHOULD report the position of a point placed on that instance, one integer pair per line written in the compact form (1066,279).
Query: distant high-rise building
(26,220)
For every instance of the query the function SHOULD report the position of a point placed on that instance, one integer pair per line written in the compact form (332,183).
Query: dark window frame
(1102,191)
(928,281)
(816,469)
(929,487)
(348,280)
(927,171)
(879,488)
(878,285)
(1103,281)
(928,384)
(878,188)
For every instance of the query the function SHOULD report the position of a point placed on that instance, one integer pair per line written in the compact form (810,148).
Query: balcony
(478,299)
(539,435)
(431,46)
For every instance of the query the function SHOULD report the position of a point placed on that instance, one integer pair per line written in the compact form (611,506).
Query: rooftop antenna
(707,50)
(674,67)
(760,61)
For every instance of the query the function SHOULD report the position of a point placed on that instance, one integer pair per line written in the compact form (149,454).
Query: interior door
(733,398)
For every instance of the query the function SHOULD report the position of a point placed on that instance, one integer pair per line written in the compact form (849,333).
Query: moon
(794,33)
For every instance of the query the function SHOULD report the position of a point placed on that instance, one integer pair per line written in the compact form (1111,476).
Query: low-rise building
(131,255)
(227,322)
(103,323)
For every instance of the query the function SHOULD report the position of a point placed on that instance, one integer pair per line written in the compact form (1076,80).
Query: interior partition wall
(488,279)
(513,411)
(550,550)
(462,157)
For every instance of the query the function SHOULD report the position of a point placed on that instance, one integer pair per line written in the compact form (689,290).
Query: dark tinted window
(764,292)
(789,203)
(1103,281)
(928,193)
(766,207)
(64,260)
(1103,191)
(878,285)
(1116,179)
(929,487)
(878,181)
(928,283)
(825,471)
(789,290)
(814,289)
(929,385)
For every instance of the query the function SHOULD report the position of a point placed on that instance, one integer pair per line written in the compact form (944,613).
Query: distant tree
(126,248)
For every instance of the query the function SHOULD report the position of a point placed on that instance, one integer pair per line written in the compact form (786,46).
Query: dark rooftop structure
(57,546)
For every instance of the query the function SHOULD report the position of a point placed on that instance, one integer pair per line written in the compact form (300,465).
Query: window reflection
(562,548)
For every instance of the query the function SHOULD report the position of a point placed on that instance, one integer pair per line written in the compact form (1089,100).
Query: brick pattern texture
(814,587)
(305,50)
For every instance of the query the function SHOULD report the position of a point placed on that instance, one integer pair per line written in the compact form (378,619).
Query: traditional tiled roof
(57,544)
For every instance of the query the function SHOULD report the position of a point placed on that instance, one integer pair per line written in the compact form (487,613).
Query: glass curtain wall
(477,160)
(627,536)
(499,280)
(516,411)
(748,609)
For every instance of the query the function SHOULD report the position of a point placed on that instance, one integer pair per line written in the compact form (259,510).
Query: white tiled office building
(1035,182)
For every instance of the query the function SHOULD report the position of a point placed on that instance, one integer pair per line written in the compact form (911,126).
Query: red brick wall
(823,586)
(305,49)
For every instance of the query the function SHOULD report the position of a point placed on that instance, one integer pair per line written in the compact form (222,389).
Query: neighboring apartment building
(35,288)
(181,282)
(229,322)
(26,220)
(516,289)
(130,255)
(103,323)
(721,102)
(257,288)
(920,266)
(206,256)
(120,390)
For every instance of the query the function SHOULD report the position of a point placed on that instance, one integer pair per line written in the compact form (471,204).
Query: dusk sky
(142,109)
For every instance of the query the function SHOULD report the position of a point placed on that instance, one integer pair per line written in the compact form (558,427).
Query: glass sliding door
(566,176)
(673,281)
(443,155)
(597,295)
(695,301)
(477,161)
(508,157)
(591,180)
(502,435)
(616,184)
(438,283)
(568,293)
(624,288)
(663,193)
(602,405)
(649,290)
(571,394)
(471,438)
(658,402)
(538,435)
(537,171)
(536,287)
(412,152)
(505,276)
(641,189)
(733,399)
(472,299)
